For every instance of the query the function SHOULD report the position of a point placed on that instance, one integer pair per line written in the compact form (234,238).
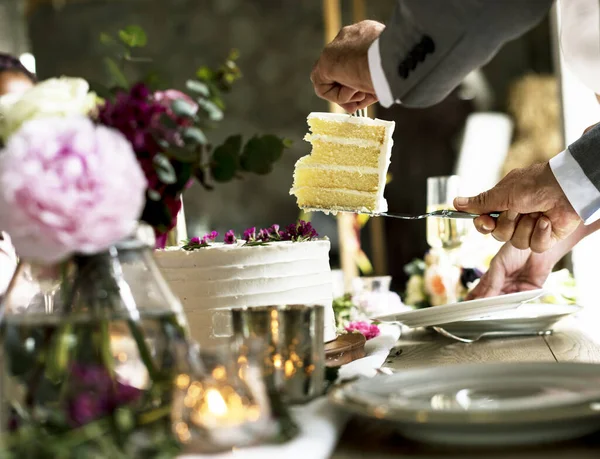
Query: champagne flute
(444,233)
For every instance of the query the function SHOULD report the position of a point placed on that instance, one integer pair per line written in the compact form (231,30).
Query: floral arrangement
(77,174)
(296,232)
(168,131)
(351,318)
(435,280)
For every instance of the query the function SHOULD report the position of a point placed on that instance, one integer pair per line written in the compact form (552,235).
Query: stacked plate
(483,404)
(466,310)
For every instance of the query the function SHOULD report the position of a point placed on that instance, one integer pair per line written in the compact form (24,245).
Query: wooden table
(574,340)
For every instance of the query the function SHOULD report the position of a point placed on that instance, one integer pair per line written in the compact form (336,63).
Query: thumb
(484,203)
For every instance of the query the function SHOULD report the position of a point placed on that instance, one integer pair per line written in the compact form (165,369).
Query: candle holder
(293,363)
(222,402)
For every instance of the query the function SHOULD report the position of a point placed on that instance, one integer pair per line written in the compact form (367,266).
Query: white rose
(56,97)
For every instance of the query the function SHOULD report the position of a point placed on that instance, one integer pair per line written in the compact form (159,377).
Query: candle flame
(216,403)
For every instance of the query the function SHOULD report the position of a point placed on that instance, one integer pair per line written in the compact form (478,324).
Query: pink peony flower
(68,186)
(368,330)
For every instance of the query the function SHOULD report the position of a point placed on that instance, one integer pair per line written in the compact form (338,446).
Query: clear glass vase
(90,352)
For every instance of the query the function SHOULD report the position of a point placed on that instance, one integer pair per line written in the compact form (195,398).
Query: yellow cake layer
(320,198)
(330,178)
(337,154)
(347,129)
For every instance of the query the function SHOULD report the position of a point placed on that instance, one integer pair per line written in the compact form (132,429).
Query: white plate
(465,310)
(483,404)
(526,318)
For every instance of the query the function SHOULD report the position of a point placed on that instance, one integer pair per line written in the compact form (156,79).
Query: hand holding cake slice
(347,167)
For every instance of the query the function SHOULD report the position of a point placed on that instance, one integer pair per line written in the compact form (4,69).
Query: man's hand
(341,74)
(513,270)
(535,212)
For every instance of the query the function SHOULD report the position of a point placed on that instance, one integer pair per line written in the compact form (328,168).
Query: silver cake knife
(446,213)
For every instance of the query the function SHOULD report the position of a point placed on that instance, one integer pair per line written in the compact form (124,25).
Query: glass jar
(91,348)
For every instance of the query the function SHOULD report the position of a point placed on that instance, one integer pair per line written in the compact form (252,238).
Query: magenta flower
(230,237)
(250,234)
(95,394)
(62,188)
(195,240)
(210,237)
(368,330)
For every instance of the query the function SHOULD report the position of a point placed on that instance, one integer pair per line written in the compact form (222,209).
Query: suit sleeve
(429,46)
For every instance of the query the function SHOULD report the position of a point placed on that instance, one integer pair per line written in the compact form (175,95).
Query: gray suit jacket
(429,47)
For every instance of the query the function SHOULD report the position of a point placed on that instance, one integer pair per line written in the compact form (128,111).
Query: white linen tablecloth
(321,423)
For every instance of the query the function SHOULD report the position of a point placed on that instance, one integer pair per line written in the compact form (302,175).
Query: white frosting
(223,276)
(363,143)
(329,167)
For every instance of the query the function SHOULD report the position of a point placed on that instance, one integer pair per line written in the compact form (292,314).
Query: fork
(490,334)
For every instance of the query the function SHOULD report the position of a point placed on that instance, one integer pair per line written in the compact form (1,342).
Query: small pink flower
(368,330)
(68,186)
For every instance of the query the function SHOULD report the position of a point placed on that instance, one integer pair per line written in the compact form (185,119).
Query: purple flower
(230,237)
(306,230)
(368,330)
(264,235)
(93,394)
(195,240)
(250,234)
(83,408)
(210,237)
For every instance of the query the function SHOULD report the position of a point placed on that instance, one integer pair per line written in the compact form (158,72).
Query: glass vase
(91,349)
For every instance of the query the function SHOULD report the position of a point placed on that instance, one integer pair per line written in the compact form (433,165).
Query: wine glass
(444,233)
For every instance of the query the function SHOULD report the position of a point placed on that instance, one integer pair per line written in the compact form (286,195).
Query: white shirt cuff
(578,188)
(380,83)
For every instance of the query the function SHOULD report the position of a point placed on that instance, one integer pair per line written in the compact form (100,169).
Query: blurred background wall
(279,41)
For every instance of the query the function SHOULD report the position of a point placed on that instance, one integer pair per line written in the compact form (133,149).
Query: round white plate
(465,310)
(483,404)
(526,318)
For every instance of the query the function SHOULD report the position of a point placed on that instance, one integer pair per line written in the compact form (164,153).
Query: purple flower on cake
(210,237)
(62,182)
(250,234)
(195,240)
(369,331)
(301,231)
(230,237)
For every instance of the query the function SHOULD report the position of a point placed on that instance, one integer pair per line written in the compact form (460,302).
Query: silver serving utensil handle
(491,334)
(446,213)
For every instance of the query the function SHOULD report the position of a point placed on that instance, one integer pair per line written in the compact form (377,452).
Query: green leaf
(116,73)
(106,39)
(183,108)
(273,146)
(133,36)
(213,111)
(195,134)
(167,121)
(205,73)
(226,159)
(153,195)
(234,54)
(185,154)
(260,153)
(253,158)
(198,87)
(164,169)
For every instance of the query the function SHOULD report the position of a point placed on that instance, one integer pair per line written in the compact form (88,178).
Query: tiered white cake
(209,280)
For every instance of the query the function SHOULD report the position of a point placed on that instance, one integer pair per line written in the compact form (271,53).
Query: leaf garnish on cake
(301,231)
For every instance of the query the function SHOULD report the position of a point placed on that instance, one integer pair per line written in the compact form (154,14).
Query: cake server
(438,214)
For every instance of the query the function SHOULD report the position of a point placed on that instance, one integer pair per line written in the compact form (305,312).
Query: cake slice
(347,167)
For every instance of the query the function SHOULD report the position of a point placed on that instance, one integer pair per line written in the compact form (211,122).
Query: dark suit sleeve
(586,151)
(429,46)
